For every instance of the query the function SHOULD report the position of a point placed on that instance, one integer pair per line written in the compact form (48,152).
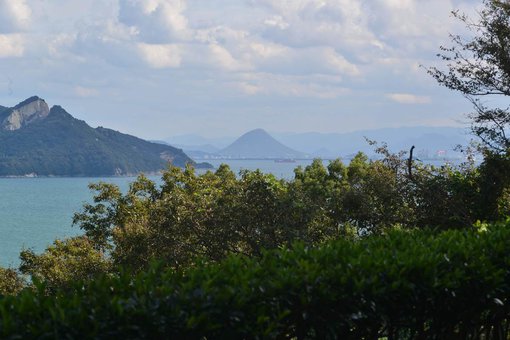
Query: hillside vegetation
(57,144)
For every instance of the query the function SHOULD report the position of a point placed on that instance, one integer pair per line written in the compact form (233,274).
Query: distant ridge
(38,141)
(258,144)
(428,140)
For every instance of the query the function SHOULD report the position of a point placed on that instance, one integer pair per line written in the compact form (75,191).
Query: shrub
(406,285)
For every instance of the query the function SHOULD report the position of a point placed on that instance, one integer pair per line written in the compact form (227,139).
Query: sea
(36,211)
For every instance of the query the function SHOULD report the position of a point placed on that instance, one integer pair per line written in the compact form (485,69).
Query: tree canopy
(479,68)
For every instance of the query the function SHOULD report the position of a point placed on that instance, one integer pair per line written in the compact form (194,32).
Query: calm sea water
(36,211)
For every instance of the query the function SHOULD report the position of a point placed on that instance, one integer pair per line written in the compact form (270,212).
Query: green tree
(214,214)
(479,67)
(64,262)
(447,197)
(11,282)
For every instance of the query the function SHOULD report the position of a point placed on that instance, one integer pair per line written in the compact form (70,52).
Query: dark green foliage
(216,214)
(61,145)
(495,186)
(405,285)
(10,282)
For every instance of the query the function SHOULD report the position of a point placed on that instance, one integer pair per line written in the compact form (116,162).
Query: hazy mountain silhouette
(258,144)
(196,142)
(332,145)
(427,140)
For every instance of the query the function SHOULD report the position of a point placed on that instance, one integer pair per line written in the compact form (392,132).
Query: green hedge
(452,285)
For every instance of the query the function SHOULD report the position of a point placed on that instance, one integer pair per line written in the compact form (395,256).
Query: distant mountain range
(255,144)
(194,141)
(38,141)
(429,142)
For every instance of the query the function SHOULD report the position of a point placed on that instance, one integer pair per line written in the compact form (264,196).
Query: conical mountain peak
(259,143)
(258,131)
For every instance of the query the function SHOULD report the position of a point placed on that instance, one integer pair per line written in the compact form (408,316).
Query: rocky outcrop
(25,113)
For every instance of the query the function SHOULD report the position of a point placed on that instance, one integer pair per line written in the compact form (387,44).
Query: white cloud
(277,21)
(161,56)
(249,89)
(85,92)
(231,51)
(158,21)
(224,59)
(278,36)
(268,50)
(338,23)
(11,45)
(290,86)
(406,98)
(60,43)
(411,26)
(339,63)
(221,34)
(14,16)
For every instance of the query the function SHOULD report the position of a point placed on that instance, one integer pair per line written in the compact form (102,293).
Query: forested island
(390,248)
(38,141)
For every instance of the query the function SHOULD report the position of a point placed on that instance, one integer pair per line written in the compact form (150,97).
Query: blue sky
(159,68)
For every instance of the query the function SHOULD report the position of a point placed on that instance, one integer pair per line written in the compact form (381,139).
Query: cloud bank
(239,61)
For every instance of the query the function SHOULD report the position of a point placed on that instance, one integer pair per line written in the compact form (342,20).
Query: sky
(161,68)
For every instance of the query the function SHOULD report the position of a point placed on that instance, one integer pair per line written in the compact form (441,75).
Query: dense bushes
(406,285)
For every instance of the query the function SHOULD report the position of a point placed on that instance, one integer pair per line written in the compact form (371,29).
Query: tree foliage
(192,217)
(64,262)
(479,68)
(11,282)
(211,215)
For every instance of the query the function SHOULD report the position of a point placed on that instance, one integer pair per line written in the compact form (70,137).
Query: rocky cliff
(25,113)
